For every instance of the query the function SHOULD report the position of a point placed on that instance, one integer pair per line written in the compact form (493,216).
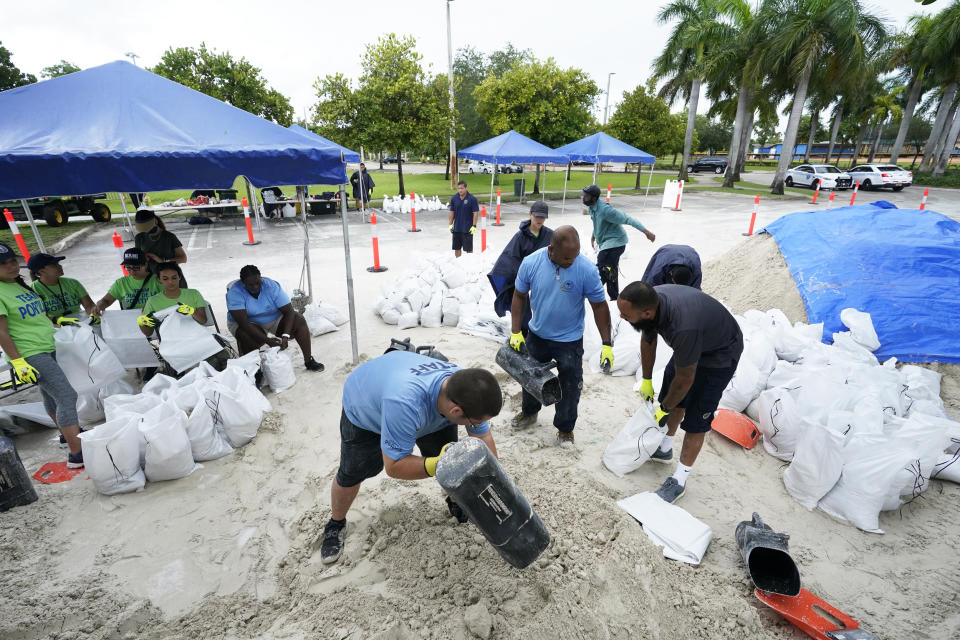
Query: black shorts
(362,458)
(702,398)
(462,240)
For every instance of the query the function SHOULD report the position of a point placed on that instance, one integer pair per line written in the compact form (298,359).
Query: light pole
(607,105)
(453,143)
(133,57)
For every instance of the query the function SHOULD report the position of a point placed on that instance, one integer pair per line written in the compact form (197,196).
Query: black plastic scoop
(767,556)
(536,378)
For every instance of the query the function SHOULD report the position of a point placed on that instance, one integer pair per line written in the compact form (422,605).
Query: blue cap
(6,253)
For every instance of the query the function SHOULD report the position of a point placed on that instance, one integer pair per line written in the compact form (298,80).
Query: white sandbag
(636,442)
(86,359)
(790,341)
(924,438)
(745,386)
(242,384)
(119,405)
(483,323)
(238,417)
(117,387)
(816,466)
(921,383)
(391,316)
(409,320)
(89,407)
(332,313)
(418,299)
(861,327)
(184,342)
(111,456)
(781,423)
(947,467)
(683,537)
(785,374)
(453,276)
(278,369)
(451,311)
(248,362)
(844,340)
(184,398)
(753,409)
(158,384)
(208,441)
(865,419)
(432,316)
(317,323)
(168,455)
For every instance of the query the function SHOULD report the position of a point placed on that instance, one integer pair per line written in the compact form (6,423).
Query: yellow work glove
(661,416)
(472,229)
(606,358)
(517,343)
(23,371)
(64,321)
(146,321)
(430,464)
(185,309)
(646,389)
(94,319)
(451,228)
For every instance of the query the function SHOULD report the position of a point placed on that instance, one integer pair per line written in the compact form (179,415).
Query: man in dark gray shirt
(706,342)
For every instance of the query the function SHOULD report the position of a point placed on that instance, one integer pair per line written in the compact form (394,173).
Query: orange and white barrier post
(816,193)
(118,244)
(498,223)
(377,267)
(753,218)
(676,207)
(246,219)
(413,213)
(16,234)
(483,228)
(923,202)
(830,201)
(856,188)
(609,189)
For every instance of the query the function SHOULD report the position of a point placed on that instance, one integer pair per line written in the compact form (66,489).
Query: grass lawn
(764,190)
(49,235)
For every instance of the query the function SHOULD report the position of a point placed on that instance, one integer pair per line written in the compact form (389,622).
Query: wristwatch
(285,335)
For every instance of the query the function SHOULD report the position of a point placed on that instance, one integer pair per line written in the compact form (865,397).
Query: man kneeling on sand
(392,403)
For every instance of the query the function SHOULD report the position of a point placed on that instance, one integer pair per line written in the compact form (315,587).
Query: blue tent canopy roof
(512,147)
(117,127)
(601,147)
(348,155)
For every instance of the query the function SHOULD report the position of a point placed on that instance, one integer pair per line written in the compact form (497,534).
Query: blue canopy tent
(601,147)
(512,147)
(348,155)
(117,127)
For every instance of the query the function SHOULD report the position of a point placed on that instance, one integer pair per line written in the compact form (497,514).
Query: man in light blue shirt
(393,403)
(609,237)
(556,280)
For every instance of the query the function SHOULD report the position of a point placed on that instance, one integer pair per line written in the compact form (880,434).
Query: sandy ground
(230,552)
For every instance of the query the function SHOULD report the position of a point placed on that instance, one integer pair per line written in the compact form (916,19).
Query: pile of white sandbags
(162,432)
(401,204)
(442,290)
(860,437)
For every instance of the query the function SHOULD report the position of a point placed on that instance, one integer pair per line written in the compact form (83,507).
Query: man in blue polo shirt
(464,209)
(556,280)
(393,403)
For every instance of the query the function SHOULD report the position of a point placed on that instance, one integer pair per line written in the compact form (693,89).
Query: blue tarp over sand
(900,265)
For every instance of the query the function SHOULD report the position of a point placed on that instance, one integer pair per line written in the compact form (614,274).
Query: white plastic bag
(408,320)
(861,326)
(237,416)
(278,369)
(119,405)
(780,423)
(249,363)
(89,407)
(317,323)
(184,342)
(111,456)
(636,442)
(168,454)
(744,387)
(816,465)
(85,359)
(333,314)
(947,467)
(158,384)
(451,311)
(207,439)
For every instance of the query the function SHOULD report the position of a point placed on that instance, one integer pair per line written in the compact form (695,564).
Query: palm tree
(885,108)
(943,46)
(682,61)
(908,53)
(809,34)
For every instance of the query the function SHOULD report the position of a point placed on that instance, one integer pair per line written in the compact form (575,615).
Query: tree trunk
(496,174)
(639,171)
(381,160)
(745,142)
(569,169)
(814,125)
(950,144)
(400,171)
(738,125)
(936,132)
(674,163)
(536,182)
(915,90)
(446,171)
(876,143)
(942,140)
(691,122)
(856,147)
(834,130)
(790,136)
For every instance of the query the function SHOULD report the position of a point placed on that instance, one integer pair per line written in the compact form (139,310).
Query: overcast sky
(295,42)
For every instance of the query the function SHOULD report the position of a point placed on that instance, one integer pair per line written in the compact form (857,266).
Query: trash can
(518,187)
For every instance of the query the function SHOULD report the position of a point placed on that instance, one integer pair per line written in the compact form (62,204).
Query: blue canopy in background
(348,155)
(902,266)
(117,127)
(513,147)
(601,147)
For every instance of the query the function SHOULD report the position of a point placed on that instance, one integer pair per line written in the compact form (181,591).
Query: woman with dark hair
(26,337)
(61,296)
(158,244)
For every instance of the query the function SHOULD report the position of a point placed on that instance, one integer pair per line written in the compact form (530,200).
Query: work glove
(451,228)
(517,343)
(472,229)
(185,309)
(430,464)
(661,416)
(94,319)
(146,321)
(64,321)
(606,358)
(23,371)
(646,389)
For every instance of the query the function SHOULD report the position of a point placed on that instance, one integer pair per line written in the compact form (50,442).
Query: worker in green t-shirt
(61,296)
(157,244)
(26,338)
(133,290)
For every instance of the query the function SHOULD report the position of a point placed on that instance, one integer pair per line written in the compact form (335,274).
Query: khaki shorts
(270,327)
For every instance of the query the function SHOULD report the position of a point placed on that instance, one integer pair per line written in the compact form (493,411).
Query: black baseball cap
(40,260)
(134,256)
(539,209)
(6,253)
(592,190)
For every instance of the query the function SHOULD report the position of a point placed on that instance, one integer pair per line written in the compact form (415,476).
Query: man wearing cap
(363,185)
(674,264)
(556,280)
(132,290)
(532,235)
(61,296)
(157,244)
(609,237)
(464,209)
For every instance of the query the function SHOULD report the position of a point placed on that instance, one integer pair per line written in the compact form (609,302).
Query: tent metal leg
(306,239)
(349,268)
(126,215)
(649,180)
(563,205)
(492,174)
(33,226)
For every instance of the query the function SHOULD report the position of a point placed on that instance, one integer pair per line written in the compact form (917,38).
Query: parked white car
(513,167)
(876,176)
(479,166)
(828,176)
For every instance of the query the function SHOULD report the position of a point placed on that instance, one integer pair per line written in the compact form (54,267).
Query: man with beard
(706,342)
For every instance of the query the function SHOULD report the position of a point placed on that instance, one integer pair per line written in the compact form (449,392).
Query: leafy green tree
(943,46)
(336,113)
(713,135)
(909,54)
(62,68)
(469,70)
(644,121)
(10,75)
(235,82)
(505,59)
(767,130)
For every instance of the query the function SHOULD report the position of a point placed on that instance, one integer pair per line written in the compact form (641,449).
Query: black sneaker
(63,442)
(332,547)
(75,460)
(670,491)
(258,379)
(662,456)
(313,365)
